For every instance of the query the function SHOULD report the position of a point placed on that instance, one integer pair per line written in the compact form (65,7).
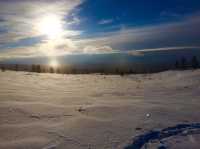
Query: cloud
(173,34)
(19,37)
(169,14)
(97,50)
(144,51)
(104,22)
(19,18)
(22,52)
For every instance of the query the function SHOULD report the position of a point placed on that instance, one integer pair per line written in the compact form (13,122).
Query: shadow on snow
(153,135)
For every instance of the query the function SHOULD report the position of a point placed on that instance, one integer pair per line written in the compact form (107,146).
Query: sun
(51,26)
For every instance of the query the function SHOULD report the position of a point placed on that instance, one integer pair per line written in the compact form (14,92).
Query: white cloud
(179,34)
(97,50)
(143,51)
(105,21)
(169,14)
(20,17)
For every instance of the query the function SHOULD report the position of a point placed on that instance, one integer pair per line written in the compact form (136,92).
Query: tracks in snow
(155,135)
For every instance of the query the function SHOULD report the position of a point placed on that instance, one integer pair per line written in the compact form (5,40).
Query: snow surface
(52,111)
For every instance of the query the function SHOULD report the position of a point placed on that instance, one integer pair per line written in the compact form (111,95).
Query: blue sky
(134,12)
(59,27)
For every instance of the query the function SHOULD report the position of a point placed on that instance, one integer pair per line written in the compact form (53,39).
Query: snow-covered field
(51,111)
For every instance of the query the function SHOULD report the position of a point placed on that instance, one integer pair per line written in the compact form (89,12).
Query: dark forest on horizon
(180,64)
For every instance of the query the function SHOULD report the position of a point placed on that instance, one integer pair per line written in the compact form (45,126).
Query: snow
(52,111)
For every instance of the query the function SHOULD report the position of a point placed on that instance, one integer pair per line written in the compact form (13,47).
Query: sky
(51,28)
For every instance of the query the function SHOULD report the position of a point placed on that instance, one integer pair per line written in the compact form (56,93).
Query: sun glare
(54,63)
(51,26)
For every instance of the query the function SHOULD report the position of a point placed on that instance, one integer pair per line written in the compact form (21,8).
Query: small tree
(58,71)
(16,67)
(117,71)
(130,71)
(122,73)
(38,69)
(74,71)
(195,63)
(177,65)
(33,68)
(3,69)
(183,63)
(51,70)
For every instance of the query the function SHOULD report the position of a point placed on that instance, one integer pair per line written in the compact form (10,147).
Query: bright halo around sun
(54,63)
(51,26)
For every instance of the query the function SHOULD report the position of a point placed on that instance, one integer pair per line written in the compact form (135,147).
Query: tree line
(184,64)
(180,64)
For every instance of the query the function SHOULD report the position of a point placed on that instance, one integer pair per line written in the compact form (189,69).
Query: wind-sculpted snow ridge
(155,135)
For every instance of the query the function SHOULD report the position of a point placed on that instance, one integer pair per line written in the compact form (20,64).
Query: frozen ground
(50,111)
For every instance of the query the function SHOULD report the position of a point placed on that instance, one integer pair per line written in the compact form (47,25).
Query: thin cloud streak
(175,34)
(166,49)
(105,21)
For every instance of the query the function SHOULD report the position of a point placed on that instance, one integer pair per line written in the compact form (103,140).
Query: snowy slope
(48,111)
